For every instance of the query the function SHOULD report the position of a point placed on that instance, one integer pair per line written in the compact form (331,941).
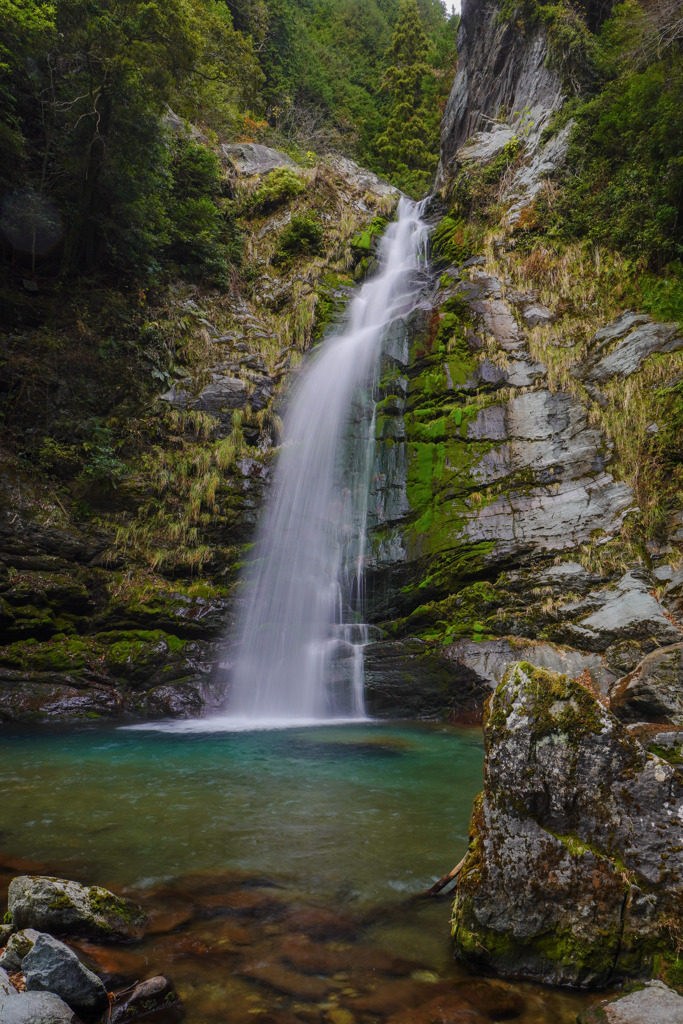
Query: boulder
(35,1008)
(251,158)
(52,967)
(653,692)
(653,1004)
(18,945)
(68,908)
(6,986)
(575,868)
(154,994)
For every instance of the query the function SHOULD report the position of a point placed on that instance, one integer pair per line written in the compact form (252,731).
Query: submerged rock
(575,868)
(653,1004)
(154,994)
(68,908)
(51,966)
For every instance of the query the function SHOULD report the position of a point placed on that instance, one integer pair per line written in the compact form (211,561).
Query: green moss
(362,242)
(455,240)
(61,903)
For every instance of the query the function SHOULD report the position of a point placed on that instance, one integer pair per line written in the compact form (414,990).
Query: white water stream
(303,586)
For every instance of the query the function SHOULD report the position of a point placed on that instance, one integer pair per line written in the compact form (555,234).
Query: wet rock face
(406,679)
(574,867)
(468,476)
(68,908)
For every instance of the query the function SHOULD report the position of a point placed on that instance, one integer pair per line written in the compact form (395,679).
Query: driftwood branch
(446,880)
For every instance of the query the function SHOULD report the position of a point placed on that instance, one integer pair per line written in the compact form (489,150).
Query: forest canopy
(93,175)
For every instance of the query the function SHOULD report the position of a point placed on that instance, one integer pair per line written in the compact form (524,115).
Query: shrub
(302,236)
(281,185)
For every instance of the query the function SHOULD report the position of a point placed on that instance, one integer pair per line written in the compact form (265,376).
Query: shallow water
(230,837)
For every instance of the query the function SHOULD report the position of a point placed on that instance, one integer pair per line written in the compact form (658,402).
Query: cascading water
(304,584)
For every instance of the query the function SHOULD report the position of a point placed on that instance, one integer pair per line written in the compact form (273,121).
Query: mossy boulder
(68,908)
(574,872)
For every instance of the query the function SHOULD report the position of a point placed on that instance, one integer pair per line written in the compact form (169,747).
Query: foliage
(279,186)
(403,146)
(302,236)
(625,186)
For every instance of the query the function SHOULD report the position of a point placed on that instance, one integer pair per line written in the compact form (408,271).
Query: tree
(406,146)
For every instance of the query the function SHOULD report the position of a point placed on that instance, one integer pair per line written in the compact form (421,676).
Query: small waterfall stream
(301,639)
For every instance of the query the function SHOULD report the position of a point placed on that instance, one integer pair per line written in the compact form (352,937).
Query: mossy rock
(64,907)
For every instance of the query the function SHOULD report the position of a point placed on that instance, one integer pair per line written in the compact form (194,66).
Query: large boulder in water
(574,871)
(68,908)
(52,967)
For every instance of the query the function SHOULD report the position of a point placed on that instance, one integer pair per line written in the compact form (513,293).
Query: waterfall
(300,654)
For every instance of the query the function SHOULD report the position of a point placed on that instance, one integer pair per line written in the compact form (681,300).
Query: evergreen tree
(407,146)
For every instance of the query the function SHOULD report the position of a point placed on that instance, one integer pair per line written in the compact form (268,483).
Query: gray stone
(360,178)
(483,146)
(537,314)
(668,739)
(35,1008)
(6,986)
(575,865)
(222,395)
(629,611)
(653,1004)
(18,945)
(52,967)
(640,338)
(66,907)
(490,660)
(653,692)
(251,158)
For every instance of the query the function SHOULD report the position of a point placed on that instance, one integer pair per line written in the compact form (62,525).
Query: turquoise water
(258,854)
(360,810)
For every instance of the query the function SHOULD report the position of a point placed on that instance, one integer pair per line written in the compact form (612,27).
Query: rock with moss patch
(69,908)
(574,870)
(653,692)
(655,1003)
(18,946)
